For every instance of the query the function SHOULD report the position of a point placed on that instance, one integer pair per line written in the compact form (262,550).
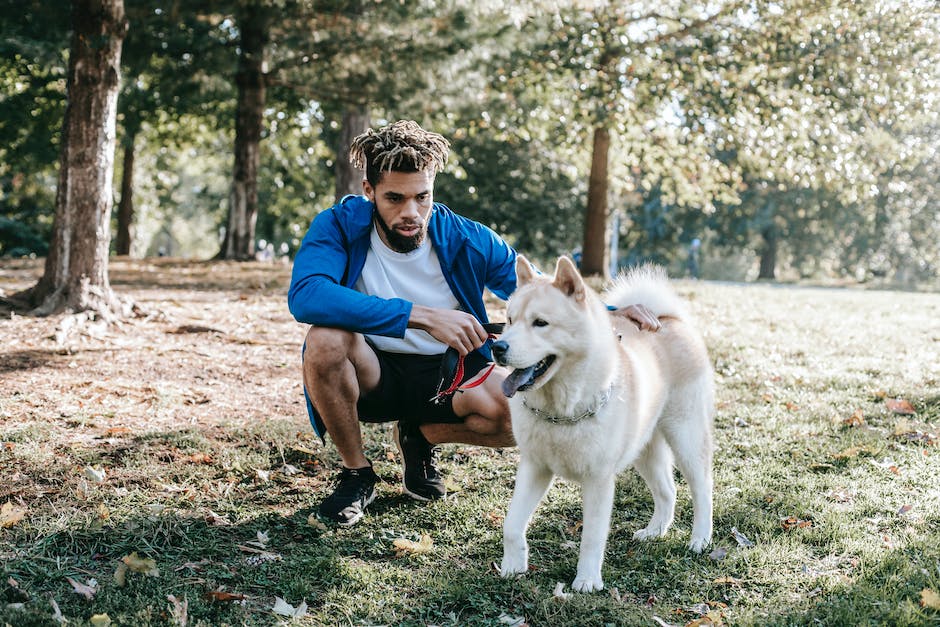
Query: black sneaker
(354,490)
(419,476)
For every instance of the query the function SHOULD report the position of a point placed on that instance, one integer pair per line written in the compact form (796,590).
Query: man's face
(403,202)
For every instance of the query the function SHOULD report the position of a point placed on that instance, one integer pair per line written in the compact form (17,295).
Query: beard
(398,242)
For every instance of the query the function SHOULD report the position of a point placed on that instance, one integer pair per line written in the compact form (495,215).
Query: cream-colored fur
(658,413)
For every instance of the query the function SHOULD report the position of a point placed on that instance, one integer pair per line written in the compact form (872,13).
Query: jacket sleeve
(317,295)
(501,266)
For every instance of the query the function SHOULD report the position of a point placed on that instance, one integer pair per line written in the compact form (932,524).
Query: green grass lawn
(838,492)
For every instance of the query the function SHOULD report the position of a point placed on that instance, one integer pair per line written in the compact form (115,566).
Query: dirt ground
(215,345)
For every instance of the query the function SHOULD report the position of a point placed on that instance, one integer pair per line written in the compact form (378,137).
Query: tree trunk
(768,254)
(76,270)
(250,79)
(125,217)
(594,250)
(349,179)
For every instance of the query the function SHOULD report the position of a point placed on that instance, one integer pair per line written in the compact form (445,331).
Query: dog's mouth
(524,378)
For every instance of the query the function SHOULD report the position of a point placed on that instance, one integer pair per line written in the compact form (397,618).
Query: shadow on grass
(29,359)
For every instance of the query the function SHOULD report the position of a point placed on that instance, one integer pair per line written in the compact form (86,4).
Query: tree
(76,270)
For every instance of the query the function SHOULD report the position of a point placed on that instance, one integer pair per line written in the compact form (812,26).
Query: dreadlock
(403,147)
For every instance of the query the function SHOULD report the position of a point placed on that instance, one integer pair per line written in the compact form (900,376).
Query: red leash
(458,377)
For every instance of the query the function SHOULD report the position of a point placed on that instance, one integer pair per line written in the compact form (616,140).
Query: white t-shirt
(415,276)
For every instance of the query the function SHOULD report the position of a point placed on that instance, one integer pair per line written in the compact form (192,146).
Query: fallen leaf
(263,475)
(900,406)
(284,608)
(730,581)
(144,565)
(199,458)
(117,431)
(792,522)
(559,592)
(13,583)
(217,520)
(57,613)
(855,420)
(904,509)
(840,496)
(179,610)
(222,597)
(120,575)
(791,406)
(662,623)
(741,539)
(86,590)
(512,621)
(718,554)
(404,546)
(100,620)
(855,451)
(96,474)
(316,523)
(930,598)
(290,470)
(10,514)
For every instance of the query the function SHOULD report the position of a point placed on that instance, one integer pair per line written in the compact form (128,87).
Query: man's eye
(538,322)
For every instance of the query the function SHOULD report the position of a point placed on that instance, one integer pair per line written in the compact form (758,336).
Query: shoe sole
(404,487)
(362,512)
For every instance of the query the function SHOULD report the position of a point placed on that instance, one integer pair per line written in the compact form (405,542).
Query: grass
(843,512)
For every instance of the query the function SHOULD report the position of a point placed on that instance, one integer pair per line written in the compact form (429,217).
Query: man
(389,280)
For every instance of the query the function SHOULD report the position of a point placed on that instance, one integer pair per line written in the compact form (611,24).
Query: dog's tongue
(517,380)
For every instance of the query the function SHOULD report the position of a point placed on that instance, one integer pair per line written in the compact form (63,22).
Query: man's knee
(326,348)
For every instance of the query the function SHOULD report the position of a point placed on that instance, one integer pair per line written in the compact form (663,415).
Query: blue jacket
(334,251)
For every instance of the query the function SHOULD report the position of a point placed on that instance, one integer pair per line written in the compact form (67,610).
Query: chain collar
(552,418)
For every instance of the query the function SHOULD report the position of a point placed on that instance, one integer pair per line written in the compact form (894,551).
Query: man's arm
(458,329)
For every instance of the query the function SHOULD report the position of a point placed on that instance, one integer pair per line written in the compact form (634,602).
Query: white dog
(591,395)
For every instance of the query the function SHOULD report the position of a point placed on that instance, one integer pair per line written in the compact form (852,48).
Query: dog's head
(546,325)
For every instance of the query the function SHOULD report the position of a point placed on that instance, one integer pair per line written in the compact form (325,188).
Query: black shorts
(407,385)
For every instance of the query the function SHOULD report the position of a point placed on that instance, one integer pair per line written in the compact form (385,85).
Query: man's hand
(458,329)
(640,316)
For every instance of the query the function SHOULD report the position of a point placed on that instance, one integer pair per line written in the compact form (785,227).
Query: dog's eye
(538,322)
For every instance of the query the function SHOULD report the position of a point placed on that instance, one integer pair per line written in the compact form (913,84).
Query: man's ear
(367,190)
(568,279)
(524,273)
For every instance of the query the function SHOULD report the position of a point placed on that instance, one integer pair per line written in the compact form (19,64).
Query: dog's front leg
(598,496)
(532,482)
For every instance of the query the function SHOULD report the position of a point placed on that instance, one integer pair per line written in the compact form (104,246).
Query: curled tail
(646,285)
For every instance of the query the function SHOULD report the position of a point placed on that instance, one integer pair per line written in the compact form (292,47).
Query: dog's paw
(650,532)
(697,545)
(514,565)
(587,583)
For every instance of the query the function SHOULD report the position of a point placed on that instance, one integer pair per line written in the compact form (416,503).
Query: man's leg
(485,413)
(338,368)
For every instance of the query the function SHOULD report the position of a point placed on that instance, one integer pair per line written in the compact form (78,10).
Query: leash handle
(492,328)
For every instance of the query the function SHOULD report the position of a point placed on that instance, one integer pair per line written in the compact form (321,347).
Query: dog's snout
(500,348)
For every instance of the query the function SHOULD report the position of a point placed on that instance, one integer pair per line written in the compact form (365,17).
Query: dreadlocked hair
(403,147)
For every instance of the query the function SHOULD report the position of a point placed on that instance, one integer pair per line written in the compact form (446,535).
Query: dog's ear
(568,279)
(524,272)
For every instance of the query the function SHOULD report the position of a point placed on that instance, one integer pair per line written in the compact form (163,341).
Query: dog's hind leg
(692,445)
(655,466)
(532,482)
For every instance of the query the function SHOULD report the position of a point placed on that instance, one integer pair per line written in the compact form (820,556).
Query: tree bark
(356,120)
(768,254)
(76,270)
(253,22)
(594,250)
(125,214)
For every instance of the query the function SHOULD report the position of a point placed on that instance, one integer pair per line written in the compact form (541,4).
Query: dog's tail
(646,285)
